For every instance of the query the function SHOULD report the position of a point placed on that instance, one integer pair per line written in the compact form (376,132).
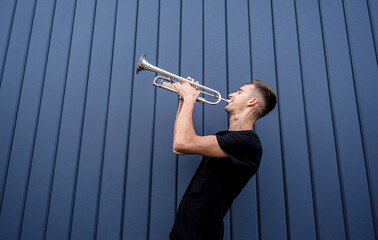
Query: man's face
(240,99)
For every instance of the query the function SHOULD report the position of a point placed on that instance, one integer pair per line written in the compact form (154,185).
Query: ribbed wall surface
(86,144)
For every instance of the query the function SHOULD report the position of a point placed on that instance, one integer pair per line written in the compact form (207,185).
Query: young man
(230,159)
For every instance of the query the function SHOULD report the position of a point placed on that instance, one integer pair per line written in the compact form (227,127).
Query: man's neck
(239,122)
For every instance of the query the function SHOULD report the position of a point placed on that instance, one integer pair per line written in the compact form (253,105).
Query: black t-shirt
(215,185)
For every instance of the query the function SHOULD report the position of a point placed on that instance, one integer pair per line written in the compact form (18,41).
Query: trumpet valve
(168,85)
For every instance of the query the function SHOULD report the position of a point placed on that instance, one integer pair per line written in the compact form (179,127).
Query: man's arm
(201,145)
(177,114)
(185,139)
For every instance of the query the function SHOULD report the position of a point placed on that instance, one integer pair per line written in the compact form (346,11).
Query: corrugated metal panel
(86,144)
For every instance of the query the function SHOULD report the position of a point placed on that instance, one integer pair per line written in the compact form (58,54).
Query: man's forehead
(247,87)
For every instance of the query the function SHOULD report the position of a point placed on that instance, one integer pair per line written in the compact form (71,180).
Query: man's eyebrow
(240,89)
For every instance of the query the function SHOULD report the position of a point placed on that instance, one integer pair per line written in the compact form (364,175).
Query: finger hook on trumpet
(166,82)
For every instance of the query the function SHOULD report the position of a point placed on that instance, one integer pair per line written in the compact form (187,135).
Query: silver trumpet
(167,82)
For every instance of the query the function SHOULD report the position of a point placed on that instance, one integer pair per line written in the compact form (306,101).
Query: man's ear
(252,101)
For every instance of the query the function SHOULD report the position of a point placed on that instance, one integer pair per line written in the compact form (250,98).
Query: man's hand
(187,91)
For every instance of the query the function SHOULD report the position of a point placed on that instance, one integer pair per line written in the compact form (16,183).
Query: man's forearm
(184,128)
(177,114)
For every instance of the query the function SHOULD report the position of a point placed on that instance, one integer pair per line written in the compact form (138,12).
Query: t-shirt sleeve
(243,148)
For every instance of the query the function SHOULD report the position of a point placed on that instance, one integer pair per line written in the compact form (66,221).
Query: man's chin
(227,109)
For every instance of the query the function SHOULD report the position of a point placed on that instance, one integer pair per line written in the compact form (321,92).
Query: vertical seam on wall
(250,40)
(203,63)
(373,35)
(257,173)
(37,120)
(280,124)
(129,125)
(3,61)
(2,186)
(72,207)
(227,81)
(366,164)
(334,129)
(101,169)
(59,129)
(153,132)
(176,156)
(18,102)
(317,235)
(360,122)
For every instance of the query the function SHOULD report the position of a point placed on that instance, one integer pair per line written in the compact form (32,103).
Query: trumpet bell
(141,63)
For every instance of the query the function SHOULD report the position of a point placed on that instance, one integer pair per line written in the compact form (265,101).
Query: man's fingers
(177,86)
(182,81)
(190,79)
(193,80)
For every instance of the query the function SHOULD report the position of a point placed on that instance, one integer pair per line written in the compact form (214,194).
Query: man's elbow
(177,152)
(179,147)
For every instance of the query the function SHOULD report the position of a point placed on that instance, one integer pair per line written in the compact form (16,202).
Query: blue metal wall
(86,144)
